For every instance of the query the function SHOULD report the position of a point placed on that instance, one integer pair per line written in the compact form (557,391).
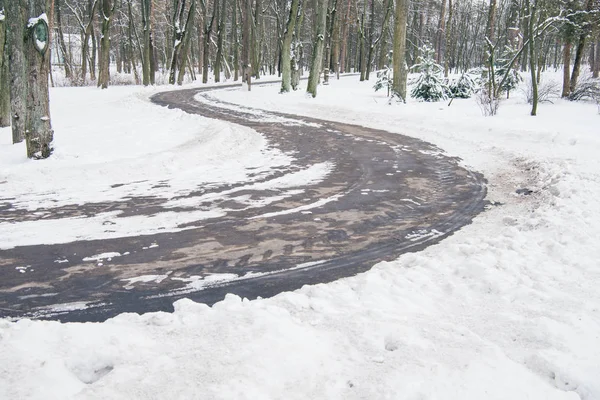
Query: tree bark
(579,52)
(107,8)
(286,49)
(4,77)
(566,90)
(440,44)
(399,60)
(596,71)
(187,36)
(532,8)
(147,75)
(61,42)
(16,17)
(318,44)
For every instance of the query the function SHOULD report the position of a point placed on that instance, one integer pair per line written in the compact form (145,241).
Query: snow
(139,150)
(506,308)
(33,21)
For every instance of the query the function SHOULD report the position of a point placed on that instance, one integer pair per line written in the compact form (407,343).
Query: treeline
(205,38)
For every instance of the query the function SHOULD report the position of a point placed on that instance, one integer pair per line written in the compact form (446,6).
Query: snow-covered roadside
(507,308)
(115,145)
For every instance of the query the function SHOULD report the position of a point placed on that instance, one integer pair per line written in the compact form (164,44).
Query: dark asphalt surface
(392,194)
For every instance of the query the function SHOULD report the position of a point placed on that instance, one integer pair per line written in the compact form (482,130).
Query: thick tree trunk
(107,9)
(38,128)
(399,61)
(286,66)
(579,53)
(318,44)
(344,45)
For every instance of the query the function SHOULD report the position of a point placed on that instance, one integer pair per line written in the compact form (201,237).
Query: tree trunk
(566,91)
(579,53)
(235,43)
(383,47)
(38,128)
(187,36)
(318,44)
(61,42)
(107,9)
(344,44)
(447,38)
(147,51)
(596,72)
(491,24)
(399,61)
(4,79)
(286,75)
(532,58)
(16,18)
(222,14)
(441,34)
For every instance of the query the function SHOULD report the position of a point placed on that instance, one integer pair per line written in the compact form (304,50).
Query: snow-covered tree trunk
(286,66)
(399,60)
(318,44)
(107,9)
(36,45)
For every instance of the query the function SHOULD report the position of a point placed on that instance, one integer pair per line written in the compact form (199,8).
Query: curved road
(387,194)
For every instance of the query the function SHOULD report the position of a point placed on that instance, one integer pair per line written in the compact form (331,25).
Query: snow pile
(507,308)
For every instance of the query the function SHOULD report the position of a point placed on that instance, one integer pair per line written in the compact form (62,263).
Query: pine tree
(430,85)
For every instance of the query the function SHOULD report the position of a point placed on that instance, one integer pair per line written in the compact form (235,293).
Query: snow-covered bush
(464,86)
(488,104)
(430,84)
(502,66)
(512,80)
(588,88)
(548,90)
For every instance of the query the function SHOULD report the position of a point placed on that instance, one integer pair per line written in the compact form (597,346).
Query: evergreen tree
(430,85)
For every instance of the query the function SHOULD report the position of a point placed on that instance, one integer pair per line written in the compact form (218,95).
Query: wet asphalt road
(387,194)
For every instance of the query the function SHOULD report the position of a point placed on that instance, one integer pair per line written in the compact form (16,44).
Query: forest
(148,42)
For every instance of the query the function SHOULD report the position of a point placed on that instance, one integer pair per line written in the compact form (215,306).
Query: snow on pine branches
(430,85)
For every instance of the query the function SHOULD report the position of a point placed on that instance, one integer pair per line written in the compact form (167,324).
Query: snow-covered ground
(507,308)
